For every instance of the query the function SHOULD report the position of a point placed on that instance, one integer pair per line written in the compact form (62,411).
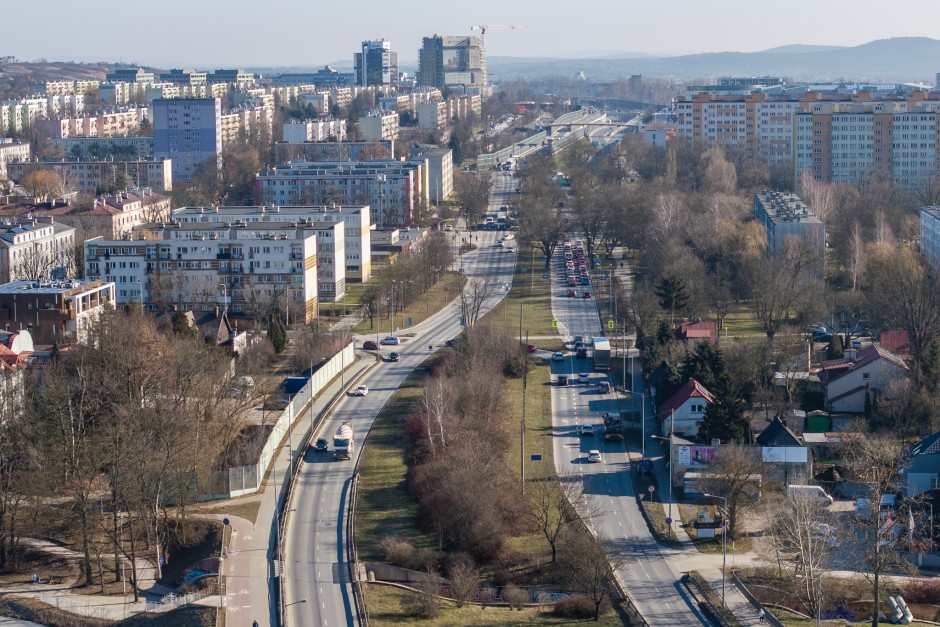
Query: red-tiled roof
(689,389)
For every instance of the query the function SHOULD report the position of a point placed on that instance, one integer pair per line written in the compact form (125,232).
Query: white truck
(343,443)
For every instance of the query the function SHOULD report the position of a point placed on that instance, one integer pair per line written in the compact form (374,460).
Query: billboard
(695,455)
(784,454)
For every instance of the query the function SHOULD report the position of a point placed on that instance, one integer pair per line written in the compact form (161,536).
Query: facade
(786,217)
(379,125)
(35,248)
(432,115)
(246,121)
(135,75)
(688,404)
(184,77)
(846,382)
(331,267)
(236,77)
(19,115)
(929,231)
(65,104)
(355,219)
(10,151)
(188,131)
(115,216)
(333,151)
(88,177)
(376,65)
(185,265)
(445,61)
(56,311)
(392,188)
(440,164)
(318,100)
(327,77)
(93,148)
(297,132)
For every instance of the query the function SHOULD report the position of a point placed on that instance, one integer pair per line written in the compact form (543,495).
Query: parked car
(393,356)
(562,379)
(558,357)
(594,456)
(587,430)
(578,344)
(578,338)
(361,390)
(509,249)
(369,345)
(391,340)
(825,336)
(321,445)
(583,377)
(531,348)
(814,493)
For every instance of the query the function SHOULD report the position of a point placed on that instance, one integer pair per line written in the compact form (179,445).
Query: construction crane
(484,27)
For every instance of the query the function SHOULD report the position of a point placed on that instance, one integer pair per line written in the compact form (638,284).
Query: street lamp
(724,541)
(380,179)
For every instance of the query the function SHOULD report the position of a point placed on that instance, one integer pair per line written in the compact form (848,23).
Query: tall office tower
(376,65)
(448,61)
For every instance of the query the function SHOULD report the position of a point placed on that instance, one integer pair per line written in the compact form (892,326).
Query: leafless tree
(736,475)
(464,579)
(555,504)
(474,295)
(782,284)
(591,564)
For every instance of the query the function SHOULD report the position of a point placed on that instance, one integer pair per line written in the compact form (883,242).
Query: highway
(649,578)
(316,582)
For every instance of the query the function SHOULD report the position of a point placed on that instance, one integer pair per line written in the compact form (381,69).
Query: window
(866,376)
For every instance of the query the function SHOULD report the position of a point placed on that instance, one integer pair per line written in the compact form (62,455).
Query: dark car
(369,345)
(586,295)
(321,445)
(582,353)
(571,294)
(822,337)
(452,343)
(578,338)
(531,348)
(562,379)
(393,356)
(578,345)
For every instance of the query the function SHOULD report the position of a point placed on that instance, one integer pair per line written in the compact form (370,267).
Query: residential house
(698,331)
(847,381)
(923,471)
(786,458)
(56,311)
(684,411)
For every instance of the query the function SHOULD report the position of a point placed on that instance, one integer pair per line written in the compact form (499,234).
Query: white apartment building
(930,233)
(357,241)
(18,115)
(65,104)
(186,265)
(297,132)
(319,101)
(379,125)
(440,166)
(10,152)
(432,115)
(246,121)
(36,249)
(88,177)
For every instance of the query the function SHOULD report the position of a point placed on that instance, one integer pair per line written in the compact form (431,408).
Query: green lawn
(742,322)
(530,291)
(384,507)
(429,303)
(388,606)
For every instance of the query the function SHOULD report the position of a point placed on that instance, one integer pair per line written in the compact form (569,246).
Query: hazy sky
(211,33)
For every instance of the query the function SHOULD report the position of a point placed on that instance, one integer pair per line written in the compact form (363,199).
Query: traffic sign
(544,276)
(668,520)
(602,277)
(610,324)
(536,458)
(651,489)
(554,323)
(544,259)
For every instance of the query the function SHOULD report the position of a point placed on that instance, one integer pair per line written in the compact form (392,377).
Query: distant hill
(55,71)
(902,59)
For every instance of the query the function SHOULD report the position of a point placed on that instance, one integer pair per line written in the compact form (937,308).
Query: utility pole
(525,381)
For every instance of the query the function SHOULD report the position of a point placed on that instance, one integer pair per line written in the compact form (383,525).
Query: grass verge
(245,507)
(384,507)
(530,291)
(652,507)
(426,305)
(39,612)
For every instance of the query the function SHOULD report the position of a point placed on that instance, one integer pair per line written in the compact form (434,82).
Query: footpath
(687,557)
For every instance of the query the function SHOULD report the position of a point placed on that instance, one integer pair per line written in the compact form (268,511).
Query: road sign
(668,520)
(544,276)
(536,458)
(610,324)
(651,489)
(554,323)
(544,259)
(602,277)
(410,321)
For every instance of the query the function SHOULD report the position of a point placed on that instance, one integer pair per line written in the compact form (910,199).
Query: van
(813,492)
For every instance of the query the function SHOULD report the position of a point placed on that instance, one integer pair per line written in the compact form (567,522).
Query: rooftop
(46,287)
(783,207)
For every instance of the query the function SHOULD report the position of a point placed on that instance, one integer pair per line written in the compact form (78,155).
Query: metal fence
(173,601)
(770,618)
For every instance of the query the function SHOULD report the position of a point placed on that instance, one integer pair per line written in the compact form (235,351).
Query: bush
(398,551)
(578,606)
(516,597)
(921,591)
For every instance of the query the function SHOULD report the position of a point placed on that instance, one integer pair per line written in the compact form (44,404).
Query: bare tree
(474,295)
(781,284)
(464,579)
(555,504)
(736,475)
(591,565)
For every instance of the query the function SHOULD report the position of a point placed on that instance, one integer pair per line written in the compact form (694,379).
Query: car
(321,445)
(578,345)
(571,293)
(531,348)
(558,357)
(391,340)
(587,430)
(449,228)
(603,387)
(393,356)
(500,243)
(510,249)
(586,295)
(585,280)
(582,353)
(578,338)
(822,337)
(562,379)
(584,377)
(361,390)
(369,345)
(594,456)
(452,342)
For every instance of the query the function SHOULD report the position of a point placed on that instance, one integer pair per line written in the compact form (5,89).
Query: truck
(343,443)
(601,354)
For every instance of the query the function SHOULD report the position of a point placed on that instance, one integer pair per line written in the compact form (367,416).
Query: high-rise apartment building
(930,233)
(446,61)
(188,131)
(376,65)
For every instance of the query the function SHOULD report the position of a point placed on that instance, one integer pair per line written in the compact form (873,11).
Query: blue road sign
(544,259)
(410,321)
(536,458)
(602,277)
(544,276)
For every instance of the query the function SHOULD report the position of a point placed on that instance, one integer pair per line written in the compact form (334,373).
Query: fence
(247,479)
(173,601)
(770,618)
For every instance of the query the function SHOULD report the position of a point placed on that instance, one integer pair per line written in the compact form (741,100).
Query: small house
(846,382)
(684,411)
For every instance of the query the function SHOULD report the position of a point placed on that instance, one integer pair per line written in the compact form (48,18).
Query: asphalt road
(650,579)
(316,586)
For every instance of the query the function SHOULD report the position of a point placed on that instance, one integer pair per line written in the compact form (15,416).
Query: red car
(370,346)
(586,295)
(531,348)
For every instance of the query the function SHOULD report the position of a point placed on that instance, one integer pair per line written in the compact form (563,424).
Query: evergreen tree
(930,365)
(836,349)
(277,334)
(181,325)
(672,293)
(454,145)
(664,333)
(669,385)
(724,418)
(705,365)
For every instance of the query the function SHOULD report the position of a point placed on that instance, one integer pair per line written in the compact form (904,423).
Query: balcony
(225,255)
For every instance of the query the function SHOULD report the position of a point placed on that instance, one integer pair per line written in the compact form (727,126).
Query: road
(650,579)
(316,586)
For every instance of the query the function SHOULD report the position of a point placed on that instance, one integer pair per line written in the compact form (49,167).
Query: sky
(206,34)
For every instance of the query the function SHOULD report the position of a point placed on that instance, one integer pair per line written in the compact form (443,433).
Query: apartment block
(185,264)
(332,150)
(87,177)
(121,93)
(104,124)
(135,75)
(318,100)
(65,88)
(327,129)
(411,100)
(785,217)
(54,311)
(11,151)
(445,61)
(95,148)
(248,121)
(19,115)
(378,125)
(391,188)
(930,233)
(432,115)
(440,166)
(35,248)
(184,77)
(354,266)
(235,77)
(188,131)
(65,104)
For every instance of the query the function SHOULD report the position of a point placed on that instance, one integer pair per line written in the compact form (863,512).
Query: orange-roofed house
(689,404)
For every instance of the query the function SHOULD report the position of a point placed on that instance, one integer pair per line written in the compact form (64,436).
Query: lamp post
(380,179)
(724,541)
(672,425)
(224,297)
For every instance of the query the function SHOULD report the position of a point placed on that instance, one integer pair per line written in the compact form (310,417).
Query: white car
(361,390)
(509,249)
(587,430)
(558,357)
(391,340)
(594,456)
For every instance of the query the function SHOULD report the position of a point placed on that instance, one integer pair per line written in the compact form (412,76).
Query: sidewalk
(249,570)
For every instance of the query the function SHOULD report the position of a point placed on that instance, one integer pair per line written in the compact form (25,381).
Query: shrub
(578,606)
(516,597)
(921,591)
(398,551)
